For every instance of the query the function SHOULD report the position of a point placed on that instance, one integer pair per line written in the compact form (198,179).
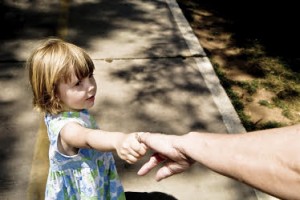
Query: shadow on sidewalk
(169,95)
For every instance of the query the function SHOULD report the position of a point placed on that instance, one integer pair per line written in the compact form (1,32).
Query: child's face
(78,94)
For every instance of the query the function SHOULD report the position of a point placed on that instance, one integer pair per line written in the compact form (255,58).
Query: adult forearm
(268,160)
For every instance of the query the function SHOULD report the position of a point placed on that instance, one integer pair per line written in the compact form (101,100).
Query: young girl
(81,166)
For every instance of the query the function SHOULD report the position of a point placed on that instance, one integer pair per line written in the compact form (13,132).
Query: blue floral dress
(88,175)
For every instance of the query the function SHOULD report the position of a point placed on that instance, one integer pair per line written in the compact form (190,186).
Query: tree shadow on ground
(8,128)
(7,142)
(168,83)
(173,85)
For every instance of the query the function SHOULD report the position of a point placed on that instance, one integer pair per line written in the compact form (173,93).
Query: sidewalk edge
(222,101)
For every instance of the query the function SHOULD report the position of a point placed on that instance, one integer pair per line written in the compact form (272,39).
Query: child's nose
(91,86)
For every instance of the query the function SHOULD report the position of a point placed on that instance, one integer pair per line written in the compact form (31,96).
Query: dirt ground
(225,33)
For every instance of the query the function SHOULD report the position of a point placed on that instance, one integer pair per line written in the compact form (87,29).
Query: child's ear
(57,103)
(55,94)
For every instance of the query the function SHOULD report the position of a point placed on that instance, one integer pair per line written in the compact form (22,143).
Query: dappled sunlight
(164,97)
(147,81)
(211,42)
(236,74)
(18,129)
(206,183)
(252,52)
(261,113)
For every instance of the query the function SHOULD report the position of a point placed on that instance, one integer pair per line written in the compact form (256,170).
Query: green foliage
(269,124)
(251,87)
(277,73)
(235,99)
(265,103)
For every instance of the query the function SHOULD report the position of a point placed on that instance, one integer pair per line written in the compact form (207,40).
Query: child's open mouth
(92,98)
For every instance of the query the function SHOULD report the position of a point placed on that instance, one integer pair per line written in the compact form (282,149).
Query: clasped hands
(167,152)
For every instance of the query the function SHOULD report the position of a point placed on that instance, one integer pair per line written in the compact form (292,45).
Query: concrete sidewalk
(152,76)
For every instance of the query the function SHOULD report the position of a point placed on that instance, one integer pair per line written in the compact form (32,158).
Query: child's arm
(74,136)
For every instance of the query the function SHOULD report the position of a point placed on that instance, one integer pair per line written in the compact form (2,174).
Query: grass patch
(248,50)
(270,124)
(286,90)
(265,103)
(274,75)
(249,86)
(235,99)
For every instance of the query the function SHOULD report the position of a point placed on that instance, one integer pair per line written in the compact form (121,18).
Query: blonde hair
(52,62)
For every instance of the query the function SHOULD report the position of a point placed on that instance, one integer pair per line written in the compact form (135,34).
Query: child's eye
(77,83)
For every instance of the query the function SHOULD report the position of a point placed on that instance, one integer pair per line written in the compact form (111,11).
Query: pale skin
(268,160)
(80,94)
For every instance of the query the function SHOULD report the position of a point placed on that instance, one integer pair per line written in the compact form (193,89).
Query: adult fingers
(170,168)
(144,138)
(154,160)
(155,141)
(163,172)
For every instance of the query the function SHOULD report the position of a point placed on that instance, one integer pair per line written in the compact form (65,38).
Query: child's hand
(130,149)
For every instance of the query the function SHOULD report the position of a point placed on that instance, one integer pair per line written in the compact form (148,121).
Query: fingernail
(138,136)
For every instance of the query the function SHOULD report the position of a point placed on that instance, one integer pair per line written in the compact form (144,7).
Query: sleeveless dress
(88,175)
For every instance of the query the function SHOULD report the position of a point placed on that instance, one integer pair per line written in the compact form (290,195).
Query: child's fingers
(138,147)
(127,153)
(138,136)
(143,150)
(131,159)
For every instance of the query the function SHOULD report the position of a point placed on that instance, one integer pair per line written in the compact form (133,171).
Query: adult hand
(168,151)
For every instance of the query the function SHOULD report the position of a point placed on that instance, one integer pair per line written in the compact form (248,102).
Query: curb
(222,101)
